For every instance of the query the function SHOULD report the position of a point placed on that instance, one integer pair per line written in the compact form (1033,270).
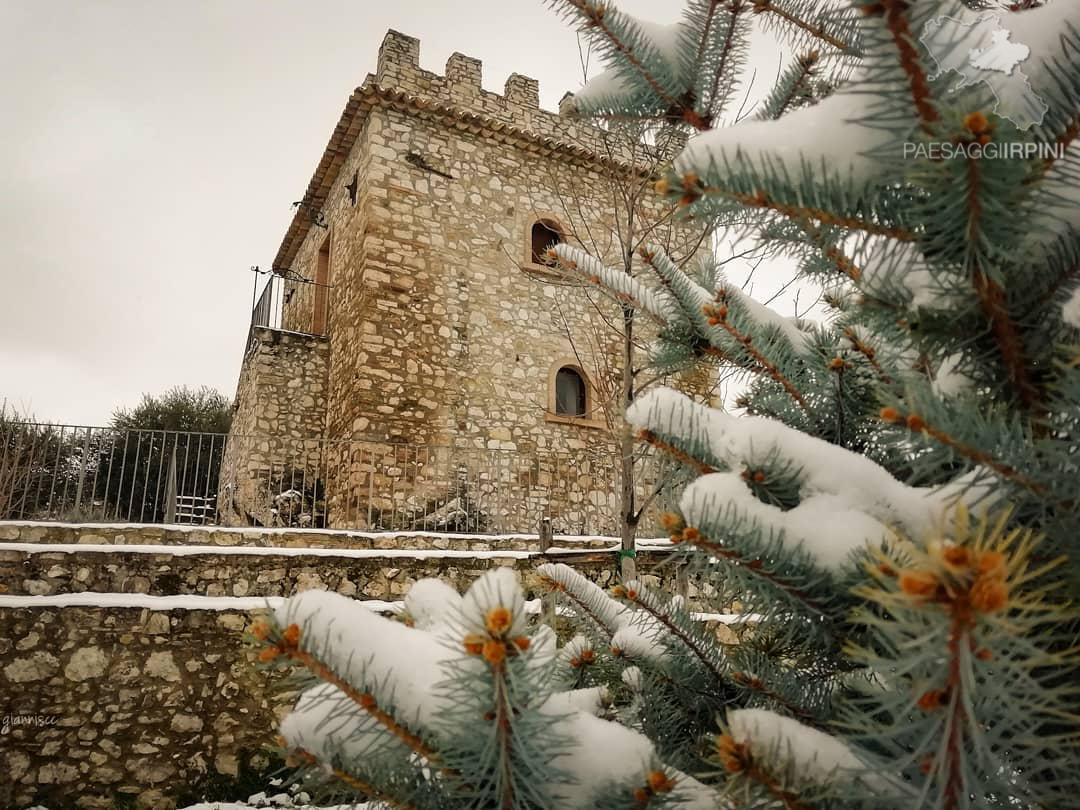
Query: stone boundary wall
(133,705)
(138,704)
(276,439)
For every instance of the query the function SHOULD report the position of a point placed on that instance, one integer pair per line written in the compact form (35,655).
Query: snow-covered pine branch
(776,756)
(622,286)
(462,703)
(847,501)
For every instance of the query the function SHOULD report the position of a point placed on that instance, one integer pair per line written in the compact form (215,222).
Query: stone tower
(430,324)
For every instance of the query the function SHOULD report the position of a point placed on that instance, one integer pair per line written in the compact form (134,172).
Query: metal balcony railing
(290,302)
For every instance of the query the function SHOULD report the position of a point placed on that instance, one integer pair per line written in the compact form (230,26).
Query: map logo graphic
(980,51)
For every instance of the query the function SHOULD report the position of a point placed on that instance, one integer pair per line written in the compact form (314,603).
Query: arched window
(545,235)
(570,392)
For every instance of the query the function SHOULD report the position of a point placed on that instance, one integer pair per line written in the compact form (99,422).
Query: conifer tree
(894,505)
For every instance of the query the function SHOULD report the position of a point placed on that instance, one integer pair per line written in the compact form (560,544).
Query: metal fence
(78,473)
(74,472)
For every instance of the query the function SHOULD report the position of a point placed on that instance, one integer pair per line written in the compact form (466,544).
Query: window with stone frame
(571,393)
(545,234)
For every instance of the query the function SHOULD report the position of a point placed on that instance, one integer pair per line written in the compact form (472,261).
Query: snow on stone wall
(141,698)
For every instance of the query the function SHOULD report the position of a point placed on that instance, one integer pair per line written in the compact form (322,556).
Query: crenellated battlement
(399,57)
(399,69)
(460,86)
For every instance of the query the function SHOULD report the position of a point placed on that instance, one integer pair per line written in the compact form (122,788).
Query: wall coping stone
(283,537)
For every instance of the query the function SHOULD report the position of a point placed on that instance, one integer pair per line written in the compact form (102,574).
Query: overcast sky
(149,154)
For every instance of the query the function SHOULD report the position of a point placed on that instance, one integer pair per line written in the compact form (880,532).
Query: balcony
(289,302)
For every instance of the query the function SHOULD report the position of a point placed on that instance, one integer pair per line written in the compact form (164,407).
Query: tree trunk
(628,565)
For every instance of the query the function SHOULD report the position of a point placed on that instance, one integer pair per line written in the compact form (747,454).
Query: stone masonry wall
(139,703)
(276,442)
(135,705)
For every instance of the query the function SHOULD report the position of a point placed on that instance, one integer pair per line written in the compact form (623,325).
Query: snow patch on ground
(248,603)
(266,551)
(264,801)
(278,530)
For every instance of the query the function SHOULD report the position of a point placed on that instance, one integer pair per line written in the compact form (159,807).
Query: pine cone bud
(989,594)
(498,621)
(992,562)
(889,414)
(932,699)
(291,636)
(918,583)
(956,556)
(474,644)
(977,123)
(672,522)
(659,782)
(494,653)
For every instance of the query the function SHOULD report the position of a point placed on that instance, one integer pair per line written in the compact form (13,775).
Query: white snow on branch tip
(636,645)
(886,264)
(609,613)
(431,602)
(632,677)
(826,526)
(591,699)
(950,380)
(495,589)
(656,302)
(601,752)
(766,317)
(328,724)
(1070,312)
(613,85)
(370,651)
(576,648)
(825,136)
(844,495)
(815,755)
